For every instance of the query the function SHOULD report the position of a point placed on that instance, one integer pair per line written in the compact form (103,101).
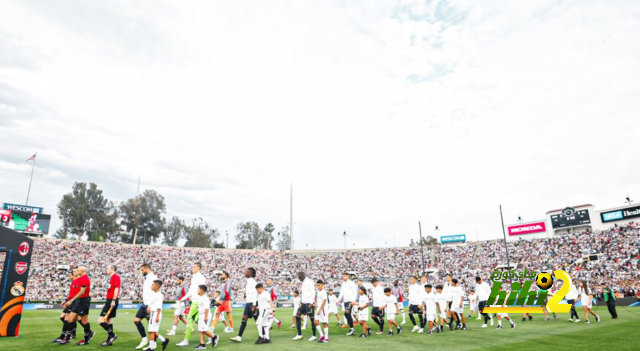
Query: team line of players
(432,305)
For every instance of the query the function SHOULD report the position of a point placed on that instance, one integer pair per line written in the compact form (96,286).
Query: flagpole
(31,180)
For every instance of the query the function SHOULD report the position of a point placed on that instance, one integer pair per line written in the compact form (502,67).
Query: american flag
(32,158)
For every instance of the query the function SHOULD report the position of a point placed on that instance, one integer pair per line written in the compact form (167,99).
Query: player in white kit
(333,306)
(265,315)
(391,309)
(430,306)
(322,312)
(363,311)
(473,303)
(155,317)
(441,300)
(204,318)
(586,298)
(457,307)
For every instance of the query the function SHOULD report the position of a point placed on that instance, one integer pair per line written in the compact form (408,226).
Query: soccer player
(363,311)
(441,300)
(571,297)
(147,291)
(457,299)
(178,313)
(398,292)
(251,300)
(307,298)
(414,303)
(483,290)
(154,310)
(447,293)
(379,301)
(391,309)
(586,298)
(473,303)
(217,301)
(226,297)
(72,275)
(110,307)
(296,305)
(423,281)
(429,304)
(265,314)
(273,292)
(347,297)
(506,316)
(204,317)
(333,306)
(197,279)
(80,305)
(322,313)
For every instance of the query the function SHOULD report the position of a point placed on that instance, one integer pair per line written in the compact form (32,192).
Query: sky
(380,113)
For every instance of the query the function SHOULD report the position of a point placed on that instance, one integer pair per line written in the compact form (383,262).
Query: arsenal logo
(21,267)
(24,248)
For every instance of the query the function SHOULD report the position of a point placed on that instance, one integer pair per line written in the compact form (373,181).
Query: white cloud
(382,114)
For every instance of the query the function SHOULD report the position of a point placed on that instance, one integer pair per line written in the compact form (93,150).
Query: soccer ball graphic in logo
(544,280)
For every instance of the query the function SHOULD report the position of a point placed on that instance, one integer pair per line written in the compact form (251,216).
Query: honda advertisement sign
(459,238)
(530,228)
(630,212)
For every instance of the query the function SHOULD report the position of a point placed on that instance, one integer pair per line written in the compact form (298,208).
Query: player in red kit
(63,316)
(80,304)
(111,305)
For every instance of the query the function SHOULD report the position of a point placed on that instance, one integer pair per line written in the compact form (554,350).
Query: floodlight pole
(506,247)
(421,249)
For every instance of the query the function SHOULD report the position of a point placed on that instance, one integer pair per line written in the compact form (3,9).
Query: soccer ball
(544,280)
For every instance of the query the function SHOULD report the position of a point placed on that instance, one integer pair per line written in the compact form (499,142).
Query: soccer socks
(260,331)
(152,344)
(161,338)
(421,320)
(381,323)
(349,319)
(243,325)
(319,328)
(108,328)
(404,317)
(266,333)
(140,327)
(174,327)
(313,325)
(413,320)
(187,335)
(87,331)
(500,322)
(326,332)
(299,324)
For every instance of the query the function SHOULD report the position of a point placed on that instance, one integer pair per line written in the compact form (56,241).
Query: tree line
(87,214)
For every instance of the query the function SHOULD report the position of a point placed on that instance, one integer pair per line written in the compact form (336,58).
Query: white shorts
(322,317)
(391,316)
(264,318)
(202,326)
(179,309)
(443,315)
(586,303)
(457,309)
(431,317)
(295,309)
(473,307)
(363,315)
(153,326)
(333,309)
(503,315)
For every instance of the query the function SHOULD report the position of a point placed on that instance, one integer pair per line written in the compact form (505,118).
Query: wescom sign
(530,228)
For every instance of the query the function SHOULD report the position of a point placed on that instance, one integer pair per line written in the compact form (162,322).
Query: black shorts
(414,309)
(347,307)
(142,313)
(81,306)
(107,306)
(449,303)
(305,308)
(482,305)
(67,309)
(248,310)
(377,312)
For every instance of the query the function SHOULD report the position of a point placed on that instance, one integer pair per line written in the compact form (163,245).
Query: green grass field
(39,327)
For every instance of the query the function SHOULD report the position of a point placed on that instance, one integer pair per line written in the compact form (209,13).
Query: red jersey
(73,291)
(114,282)
(79,284)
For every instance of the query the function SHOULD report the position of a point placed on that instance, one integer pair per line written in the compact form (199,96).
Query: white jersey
(473,299)
(391,304)
(430,301)
(442,302)
(203,304)
(379,298)
(264,303)
(250,291)
(483,291)
(155,301)
(572,294)
(196,280)
(446,291)
(415,294)
(348,291)
(296,304)
(332,304)
(456,295)
(320,297)
(146,288)
(363,314)
(308,291)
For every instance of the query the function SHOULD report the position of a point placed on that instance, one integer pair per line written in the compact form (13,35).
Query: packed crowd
(618,264)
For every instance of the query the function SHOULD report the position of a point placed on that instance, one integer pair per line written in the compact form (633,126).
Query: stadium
(297,175)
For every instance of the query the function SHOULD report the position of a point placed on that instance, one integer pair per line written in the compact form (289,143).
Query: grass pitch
(39,327)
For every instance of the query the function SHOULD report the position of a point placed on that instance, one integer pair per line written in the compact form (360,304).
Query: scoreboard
(26,222)
(569,217)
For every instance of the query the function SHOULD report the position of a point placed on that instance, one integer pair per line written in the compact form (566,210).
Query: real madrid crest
(17,289)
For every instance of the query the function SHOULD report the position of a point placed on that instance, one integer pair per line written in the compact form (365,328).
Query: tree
(200,234)
(428,240)
(284,239)
(174,232)
(85,210)
(251,236)
(144,212)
